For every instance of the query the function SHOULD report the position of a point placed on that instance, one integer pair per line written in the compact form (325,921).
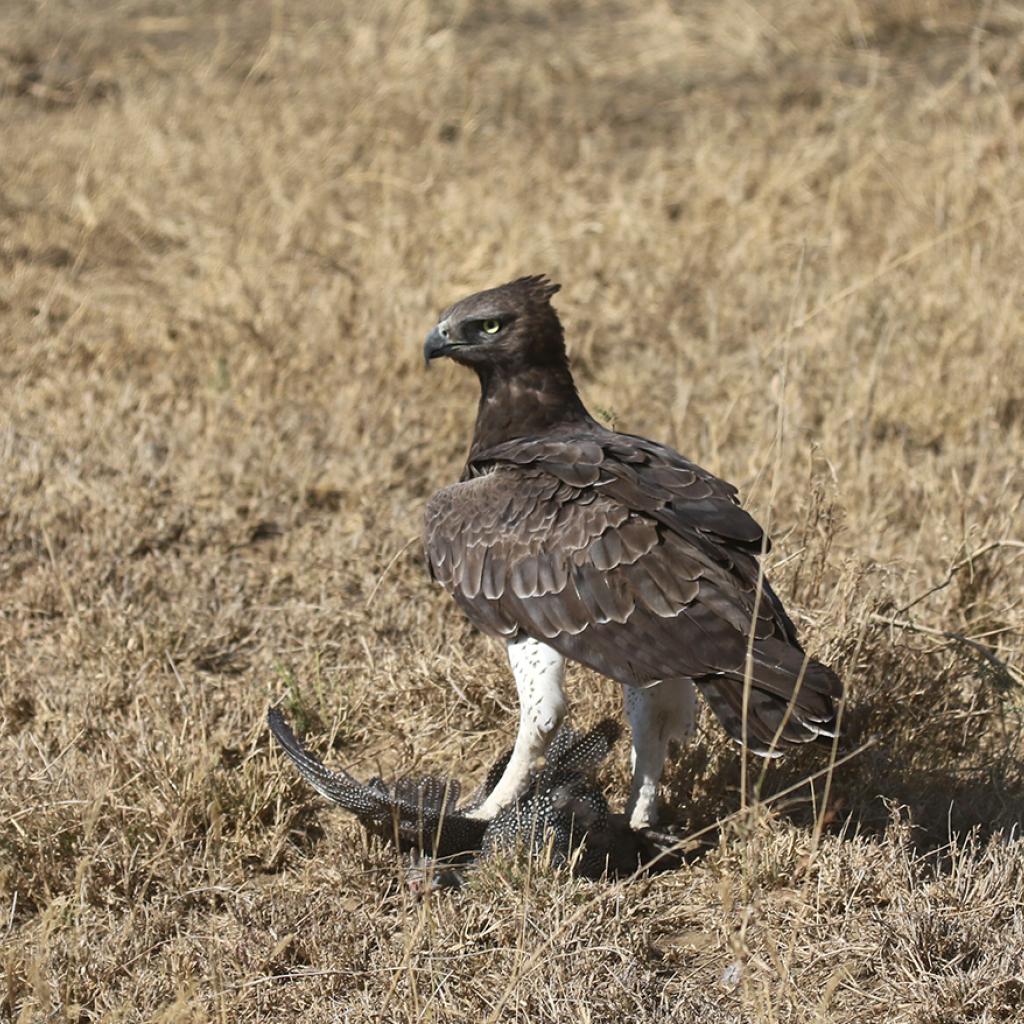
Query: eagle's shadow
(951,767)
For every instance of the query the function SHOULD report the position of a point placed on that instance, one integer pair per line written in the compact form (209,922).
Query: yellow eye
(492,326)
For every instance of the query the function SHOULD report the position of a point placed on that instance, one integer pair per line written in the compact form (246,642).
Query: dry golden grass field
(791,242)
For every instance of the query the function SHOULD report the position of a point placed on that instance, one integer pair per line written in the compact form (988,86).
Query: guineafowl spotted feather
(563,811)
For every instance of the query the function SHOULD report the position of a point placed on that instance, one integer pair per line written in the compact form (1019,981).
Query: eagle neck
(533,400)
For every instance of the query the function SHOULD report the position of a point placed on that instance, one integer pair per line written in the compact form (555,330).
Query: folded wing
(624,556)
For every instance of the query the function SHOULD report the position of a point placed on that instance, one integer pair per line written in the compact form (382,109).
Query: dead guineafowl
(563,812)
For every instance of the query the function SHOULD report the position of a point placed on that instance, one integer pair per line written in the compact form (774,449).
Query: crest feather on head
(524,294)
(537,285)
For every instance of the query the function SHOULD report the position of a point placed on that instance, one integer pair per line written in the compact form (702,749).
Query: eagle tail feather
(783,707)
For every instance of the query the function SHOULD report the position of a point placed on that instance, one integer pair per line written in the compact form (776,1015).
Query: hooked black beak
(436,345)
(433,347)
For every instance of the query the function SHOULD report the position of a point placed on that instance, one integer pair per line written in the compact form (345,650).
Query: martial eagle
(568,540)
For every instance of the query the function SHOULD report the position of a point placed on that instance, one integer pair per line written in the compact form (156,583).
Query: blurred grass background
(790,242)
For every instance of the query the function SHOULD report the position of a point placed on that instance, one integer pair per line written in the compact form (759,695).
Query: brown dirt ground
(791,238)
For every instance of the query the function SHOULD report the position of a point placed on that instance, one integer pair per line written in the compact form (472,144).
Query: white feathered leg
(657,714)
(539,671)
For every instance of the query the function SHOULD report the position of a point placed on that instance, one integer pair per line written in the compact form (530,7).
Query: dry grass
(790,236)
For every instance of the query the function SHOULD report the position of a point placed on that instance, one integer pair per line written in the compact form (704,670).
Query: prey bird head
(511,326)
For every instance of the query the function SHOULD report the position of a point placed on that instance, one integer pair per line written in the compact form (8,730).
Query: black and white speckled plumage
(416,813)
(562,812)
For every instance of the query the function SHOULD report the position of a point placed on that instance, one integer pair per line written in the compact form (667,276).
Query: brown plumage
(614,550)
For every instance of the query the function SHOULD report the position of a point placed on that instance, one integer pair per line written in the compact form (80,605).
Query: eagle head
(509,326)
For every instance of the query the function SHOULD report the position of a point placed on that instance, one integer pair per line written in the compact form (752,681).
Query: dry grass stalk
(790,242)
